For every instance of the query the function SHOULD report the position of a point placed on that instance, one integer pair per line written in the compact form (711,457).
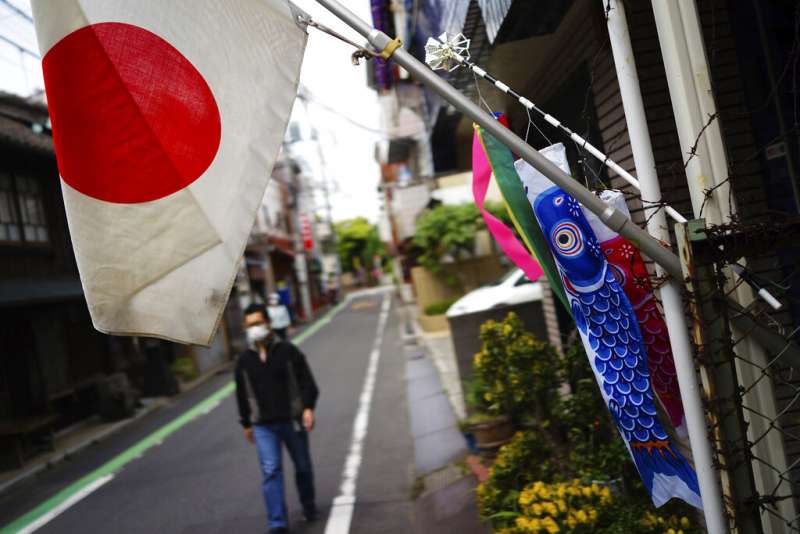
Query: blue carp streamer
(610,333)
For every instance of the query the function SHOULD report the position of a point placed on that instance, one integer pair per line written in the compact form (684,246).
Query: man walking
(279,316)
(276,394)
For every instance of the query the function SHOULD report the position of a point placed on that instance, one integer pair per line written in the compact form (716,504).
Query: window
(9,226)
(22,217)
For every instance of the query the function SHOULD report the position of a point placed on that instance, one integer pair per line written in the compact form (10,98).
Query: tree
(357,243)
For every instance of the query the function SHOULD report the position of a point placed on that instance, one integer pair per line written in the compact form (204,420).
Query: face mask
(257,333)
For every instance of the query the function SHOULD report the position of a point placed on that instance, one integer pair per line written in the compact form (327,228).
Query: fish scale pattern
(609,323)
(613,341)
(631,272)
(661,365)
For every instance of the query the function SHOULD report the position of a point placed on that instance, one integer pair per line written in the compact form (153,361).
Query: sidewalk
(440,348)
(445,500)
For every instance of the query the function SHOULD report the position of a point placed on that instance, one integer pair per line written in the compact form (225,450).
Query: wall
(473,273)
(207,358)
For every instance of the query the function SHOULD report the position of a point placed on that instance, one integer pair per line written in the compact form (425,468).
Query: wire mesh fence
(748,359)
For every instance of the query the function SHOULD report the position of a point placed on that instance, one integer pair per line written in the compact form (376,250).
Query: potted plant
(515,379)
(488,431)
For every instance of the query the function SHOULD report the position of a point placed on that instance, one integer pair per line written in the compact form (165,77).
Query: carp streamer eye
(567,239)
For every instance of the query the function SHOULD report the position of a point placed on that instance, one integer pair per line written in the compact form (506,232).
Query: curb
(43,465)
(156,404)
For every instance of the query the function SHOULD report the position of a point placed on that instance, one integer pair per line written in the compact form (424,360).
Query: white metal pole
(689,79)
(674,314)
(689,117)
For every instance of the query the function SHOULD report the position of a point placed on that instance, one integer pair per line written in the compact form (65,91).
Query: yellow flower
(670,531)
(581,516)
(562,506)
(528,524)
(550,525)
(685,522)
(487,396)
(587,491)
(649,520)
(536,509)
(550,508)
(544,491)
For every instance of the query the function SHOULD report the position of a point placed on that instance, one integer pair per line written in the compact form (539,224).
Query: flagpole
(671,298)
(611,217)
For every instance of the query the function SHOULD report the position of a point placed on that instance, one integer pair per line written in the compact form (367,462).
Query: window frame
(17,215)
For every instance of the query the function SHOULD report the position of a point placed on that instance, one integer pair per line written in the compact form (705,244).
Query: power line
(19,46)
(305,94)
(17,10)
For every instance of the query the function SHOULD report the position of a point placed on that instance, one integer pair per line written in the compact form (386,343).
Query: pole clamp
(390,47)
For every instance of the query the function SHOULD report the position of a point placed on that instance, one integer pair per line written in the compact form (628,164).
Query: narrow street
(204,477)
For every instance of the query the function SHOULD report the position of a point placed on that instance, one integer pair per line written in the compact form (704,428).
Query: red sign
(305,232)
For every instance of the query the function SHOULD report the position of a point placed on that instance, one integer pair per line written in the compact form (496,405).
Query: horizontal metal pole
(610,216)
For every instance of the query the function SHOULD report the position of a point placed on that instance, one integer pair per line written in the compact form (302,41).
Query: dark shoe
(311,514)
(279,530)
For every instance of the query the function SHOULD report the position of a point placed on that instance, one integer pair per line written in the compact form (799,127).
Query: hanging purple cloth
(383,20)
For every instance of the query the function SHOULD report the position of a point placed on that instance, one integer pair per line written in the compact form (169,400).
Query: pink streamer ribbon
(503,235)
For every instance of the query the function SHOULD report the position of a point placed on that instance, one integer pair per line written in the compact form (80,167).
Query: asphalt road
(204,477)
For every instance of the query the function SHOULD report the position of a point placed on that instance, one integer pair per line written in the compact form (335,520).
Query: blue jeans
(268,443)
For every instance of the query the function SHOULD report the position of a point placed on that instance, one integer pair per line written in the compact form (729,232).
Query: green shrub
(184,368)
(446,232)
(520,462)
(519,372)
(438,308)
(569,438)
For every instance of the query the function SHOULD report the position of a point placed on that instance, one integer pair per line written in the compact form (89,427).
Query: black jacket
(266,398)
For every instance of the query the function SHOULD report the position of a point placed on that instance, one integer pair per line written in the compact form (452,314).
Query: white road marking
(342,510)
(58,510)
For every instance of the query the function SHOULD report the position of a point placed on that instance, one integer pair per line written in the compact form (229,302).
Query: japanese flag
(167,118)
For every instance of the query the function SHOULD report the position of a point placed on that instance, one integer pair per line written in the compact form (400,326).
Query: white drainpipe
(688,76)
(672,302)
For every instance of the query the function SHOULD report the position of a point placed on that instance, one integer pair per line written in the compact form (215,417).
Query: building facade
(558,55)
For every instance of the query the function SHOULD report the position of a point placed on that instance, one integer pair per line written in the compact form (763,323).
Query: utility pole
(337,270)
(388,199)
(300,263)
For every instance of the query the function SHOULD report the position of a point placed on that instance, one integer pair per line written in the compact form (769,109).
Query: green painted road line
(319,323)
(156,438)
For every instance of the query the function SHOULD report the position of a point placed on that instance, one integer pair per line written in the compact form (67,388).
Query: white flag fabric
(167,118)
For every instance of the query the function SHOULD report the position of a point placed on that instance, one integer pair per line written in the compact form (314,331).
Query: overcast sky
(343,110)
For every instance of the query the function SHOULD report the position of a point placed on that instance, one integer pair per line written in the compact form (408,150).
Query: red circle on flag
(133,120)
